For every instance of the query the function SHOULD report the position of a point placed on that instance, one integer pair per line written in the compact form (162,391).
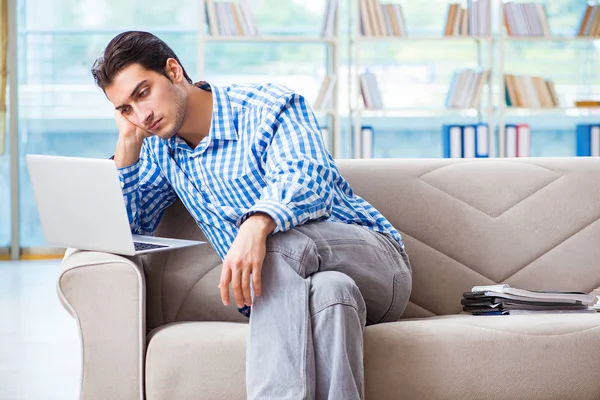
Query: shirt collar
(223,124)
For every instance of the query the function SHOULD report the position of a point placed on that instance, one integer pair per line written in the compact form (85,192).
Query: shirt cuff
(128,176)
(284,216)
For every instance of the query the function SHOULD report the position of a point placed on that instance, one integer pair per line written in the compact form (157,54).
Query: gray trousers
(322,283)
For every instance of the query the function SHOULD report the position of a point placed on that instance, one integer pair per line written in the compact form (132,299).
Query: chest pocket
(240,192)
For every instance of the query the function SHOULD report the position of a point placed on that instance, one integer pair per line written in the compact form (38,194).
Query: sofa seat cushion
(546,356)
(550,356)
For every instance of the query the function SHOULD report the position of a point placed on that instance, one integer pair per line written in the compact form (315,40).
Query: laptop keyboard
(147,246)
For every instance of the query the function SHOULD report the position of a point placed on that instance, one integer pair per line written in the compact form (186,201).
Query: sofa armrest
(105,293)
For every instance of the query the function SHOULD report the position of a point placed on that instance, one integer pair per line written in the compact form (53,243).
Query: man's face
(149,100)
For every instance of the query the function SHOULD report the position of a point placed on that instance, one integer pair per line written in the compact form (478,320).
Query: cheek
(163,102)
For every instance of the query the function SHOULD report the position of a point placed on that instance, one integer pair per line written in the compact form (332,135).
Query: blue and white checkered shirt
(264,153)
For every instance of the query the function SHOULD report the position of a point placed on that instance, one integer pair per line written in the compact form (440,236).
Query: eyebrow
(135,89)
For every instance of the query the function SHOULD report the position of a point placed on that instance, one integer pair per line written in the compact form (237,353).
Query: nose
(145,117)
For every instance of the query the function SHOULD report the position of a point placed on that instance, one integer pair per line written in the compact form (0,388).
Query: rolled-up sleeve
(298,173)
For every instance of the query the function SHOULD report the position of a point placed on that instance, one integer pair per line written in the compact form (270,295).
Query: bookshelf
(332,131)
(270,39)
(545,35)
(493,51)
(359,40)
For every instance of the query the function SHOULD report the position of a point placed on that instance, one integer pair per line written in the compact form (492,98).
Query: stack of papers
(504,299)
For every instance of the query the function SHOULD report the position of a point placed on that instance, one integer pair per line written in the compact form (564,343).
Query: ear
(174,70)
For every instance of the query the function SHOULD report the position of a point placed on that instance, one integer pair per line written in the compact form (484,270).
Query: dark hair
(133,47)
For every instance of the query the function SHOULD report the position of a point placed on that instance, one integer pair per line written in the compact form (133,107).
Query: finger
(224,284)
(256,281)
(246,286)
(236,285)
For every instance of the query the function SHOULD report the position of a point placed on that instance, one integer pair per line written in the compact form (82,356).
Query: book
(526,19)
(452,141)
(587,140)
(325,94)
(370,90)
(472,20)
(465,141)
(530,92)
(378,19)
(585,298)
(587,103)
(510,140)
(328,24)
(523,140)
(528,307)
(366,133)
(482,140)
(481,299)
(230,19)
(502,299)
(499,297)
(466,86)
(469,139)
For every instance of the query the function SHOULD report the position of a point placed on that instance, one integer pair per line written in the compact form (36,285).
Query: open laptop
(81,206)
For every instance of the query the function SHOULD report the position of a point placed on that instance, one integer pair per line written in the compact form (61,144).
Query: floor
(39,345)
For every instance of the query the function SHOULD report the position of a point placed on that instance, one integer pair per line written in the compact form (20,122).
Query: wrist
(127,152)
(261,223)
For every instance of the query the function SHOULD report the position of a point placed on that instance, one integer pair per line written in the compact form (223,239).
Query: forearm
(260,223)
(127,151)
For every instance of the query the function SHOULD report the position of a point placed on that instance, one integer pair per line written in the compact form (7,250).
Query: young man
(314,261)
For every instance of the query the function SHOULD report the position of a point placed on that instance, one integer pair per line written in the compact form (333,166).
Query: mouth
(155,125)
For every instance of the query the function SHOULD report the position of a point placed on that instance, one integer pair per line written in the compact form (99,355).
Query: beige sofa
(154,326)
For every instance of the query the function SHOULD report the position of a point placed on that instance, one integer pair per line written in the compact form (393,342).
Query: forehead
(126,80)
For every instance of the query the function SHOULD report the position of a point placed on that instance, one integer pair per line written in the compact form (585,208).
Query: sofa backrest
(532,223)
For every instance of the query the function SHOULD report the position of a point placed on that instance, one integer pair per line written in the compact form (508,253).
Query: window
(5,220)
(61,112)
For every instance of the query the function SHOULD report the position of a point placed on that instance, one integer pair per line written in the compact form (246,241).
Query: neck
(198,116)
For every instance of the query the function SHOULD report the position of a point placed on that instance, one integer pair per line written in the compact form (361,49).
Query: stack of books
(465,141)
(517,140)
(530,92)
(325,93)
(505,300)
(590,21)
(230,19)
(473,20)
(466,87)
(369,89)
(526,19)
(378,19)
(328,25)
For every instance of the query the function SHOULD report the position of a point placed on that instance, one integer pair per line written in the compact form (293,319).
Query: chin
(165,135)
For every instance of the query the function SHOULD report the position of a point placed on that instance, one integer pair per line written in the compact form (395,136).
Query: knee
(329,288)
(291,241)
(298,249)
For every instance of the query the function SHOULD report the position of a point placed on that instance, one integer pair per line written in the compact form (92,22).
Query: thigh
(378,266)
